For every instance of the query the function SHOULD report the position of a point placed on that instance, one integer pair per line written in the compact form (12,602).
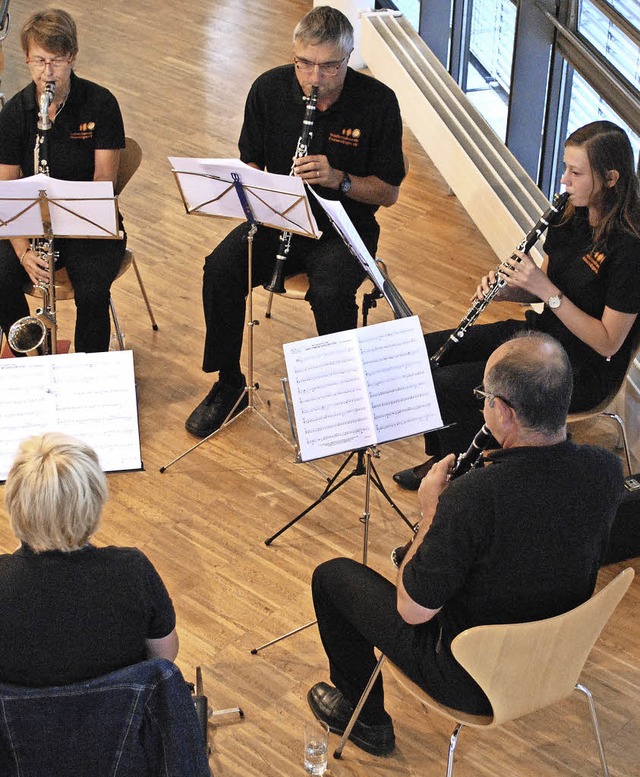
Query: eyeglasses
(326,68)
(480,394)
(39,63)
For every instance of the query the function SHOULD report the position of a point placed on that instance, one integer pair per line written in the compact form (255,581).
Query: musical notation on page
(89,396)
(361,387)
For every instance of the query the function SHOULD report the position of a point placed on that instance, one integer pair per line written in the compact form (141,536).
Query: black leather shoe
(411,478)
(331,707)
(214,408)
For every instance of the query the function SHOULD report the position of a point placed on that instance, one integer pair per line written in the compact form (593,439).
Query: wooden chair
(521,667)
(297,286)
(130,159)
(601,408)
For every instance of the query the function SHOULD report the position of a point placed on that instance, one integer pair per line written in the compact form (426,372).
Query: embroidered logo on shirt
(84,131)
(348,137)
(594,261)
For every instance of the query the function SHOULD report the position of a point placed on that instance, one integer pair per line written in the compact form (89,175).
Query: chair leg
(337,753)
(596,728)
(452,748)
(143,291)
(116,324)
(615,417)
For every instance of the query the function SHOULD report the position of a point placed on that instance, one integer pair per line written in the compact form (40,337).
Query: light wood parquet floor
(181,73)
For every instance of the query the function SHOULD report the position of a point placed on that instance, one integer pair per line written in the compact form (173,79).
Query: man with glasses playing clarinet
(518,540)
(354,155)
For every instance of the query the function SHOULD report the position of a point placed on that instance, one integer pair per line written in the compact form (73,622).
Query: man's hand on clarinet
(434,484)
(316,170)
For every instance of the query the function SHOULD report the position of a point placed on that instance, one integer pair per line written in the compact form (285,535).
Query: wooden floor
(181,72)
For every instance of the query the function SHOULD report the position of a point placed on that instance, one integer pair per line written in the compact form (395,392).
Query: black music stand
(363,384)
(233,189)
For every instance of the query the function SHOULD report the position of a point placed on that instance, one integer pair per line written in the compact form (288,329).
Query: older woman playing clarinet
(84,143)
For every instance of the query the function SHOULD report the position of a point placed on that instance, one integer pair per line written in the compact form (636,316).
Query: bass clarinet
(39,331)
(549,217)
(277,280)
(465,462)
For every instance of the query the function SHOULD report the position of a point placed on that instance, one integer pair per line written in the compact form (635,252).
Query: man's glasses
(326,68)
(480,394)
(39,63)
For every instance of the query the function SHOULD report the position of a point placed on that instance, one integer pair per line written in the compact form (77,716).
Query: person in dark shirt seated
(71,611)
(519,540)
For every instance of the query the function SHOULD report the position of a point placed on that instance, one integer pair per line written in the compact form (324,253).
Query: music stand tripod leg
(364,466)
(250,386)
(328,490)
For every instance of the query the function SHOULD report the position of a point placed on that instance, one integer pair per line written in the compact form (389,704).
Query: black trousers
(356,611)
(334,277)
(92,266)
(463,369)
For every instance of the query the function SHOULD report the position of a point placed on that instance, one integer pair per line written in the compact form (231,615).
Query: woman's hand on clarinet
(315,169)
(36,267)
(526,275)
(485,286)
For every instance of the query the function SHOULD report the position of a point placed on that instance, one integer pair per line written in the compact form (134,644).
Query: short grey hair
(536,378)
(325,25)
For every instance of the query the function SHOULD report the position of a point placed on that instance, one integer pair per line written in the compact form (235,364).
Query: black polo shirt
(361,133)
(519,540)
(90,120)
(592,280)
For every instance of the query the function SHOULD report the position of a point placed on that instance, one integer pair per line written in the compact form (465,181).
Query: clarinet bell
(276,285)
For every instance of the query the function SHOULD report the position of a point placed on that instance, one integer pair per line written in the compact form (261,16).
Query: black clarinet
(277,280)
(549,217)
(465,462)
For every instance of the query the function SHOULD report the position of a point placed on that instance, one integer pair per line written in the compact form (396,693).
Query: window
(487,80)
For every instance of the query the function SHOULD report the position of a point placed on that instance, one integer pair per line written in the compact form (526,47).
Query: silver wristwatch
(555,301)
(345,184)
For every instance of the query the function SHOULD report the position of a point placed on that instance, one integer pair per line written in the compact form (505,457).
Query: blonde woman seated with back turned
(71,611)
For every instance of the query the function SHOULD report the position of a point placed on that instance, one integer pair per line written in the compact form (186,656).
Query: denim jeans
(139,721)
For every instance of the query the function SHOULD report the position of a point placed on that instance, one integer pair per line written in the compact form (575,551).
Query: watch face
(554,302)
(345,186)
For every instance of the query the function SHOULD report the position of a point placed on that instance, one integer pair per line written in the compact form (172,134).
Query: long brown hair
(608,148)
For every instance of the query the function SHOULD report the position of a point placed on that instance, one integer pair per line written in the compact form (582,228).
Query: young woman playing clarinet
(589,284)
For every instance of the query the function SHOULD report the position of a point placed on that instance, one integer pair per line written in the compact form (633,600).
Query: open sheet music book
(87,395)
(361,387)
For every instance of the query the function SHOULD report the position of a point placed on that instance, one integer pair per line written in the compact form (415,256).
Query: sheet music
(278,201)
(77,208)
(89,396)
(361,387)
(344,226)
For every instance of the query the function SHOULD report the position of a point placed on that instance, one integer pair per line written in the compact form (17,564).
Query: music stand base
(330,488)
(251,409)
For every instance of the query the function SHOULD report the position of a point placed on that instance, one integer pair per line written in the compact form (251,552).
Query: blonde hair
(55,492)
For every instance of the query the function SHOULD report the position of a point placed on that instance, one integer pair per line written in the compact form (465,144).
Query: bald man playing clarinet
(519,539)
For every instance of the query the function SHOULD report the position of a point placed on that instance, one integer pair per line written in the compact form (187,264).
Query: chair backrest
(130,158)
(138,721)
(523,667)
(583,415)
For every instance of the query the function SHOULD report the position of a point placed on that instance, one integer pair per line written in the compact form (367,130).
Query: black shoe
(330,706)
(411,478)
(214,408)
